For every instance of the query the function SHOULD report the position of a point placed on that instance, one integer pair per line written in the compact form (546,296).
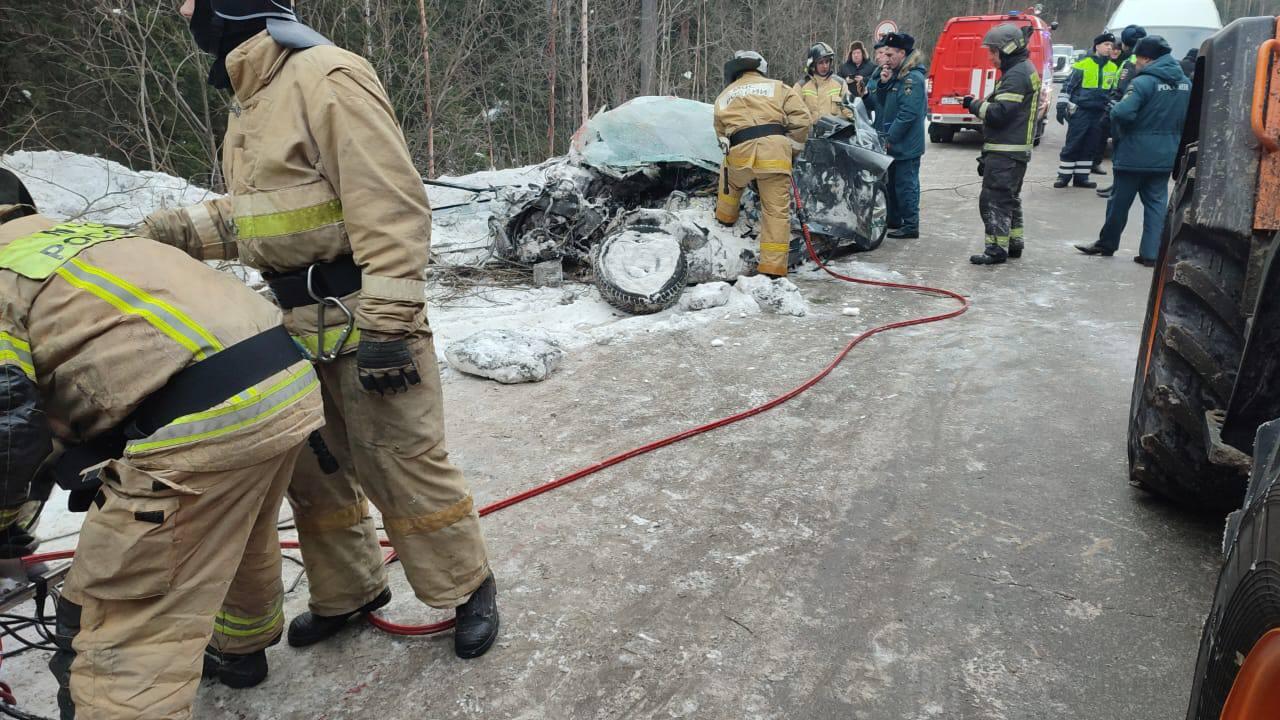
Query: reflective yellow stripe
(38,255)
(810,93)
(1033,110)
(232,626)
(132,300)
(311,344)
(997,147)
(774,247)
(772,165)
(1011,97)
(7,517)
(17,350)
(287,222)
(232,416)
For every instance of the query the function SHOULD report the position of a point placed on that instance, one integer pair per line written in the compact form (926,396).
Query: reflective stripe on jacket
(1090,82)
(1009,113)
(100,319)
(824,96)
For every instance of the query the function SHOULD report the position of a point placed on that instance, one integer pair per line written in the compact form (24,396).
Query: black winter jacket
(1009,113)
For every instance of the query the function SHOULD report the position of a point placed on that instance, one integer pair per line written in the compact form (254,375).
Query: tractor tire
(640,269)
(1245,605)
(1191,345)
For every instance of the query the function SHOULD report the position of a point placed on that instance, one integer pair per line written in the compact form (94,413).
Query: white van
(1184,23)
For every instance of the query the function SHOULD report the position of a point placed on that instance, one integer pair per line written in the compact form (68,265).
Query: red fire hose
(397,629)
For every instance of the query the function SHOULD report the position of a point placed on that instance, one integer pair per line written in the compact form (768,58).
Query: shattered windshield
(646,131)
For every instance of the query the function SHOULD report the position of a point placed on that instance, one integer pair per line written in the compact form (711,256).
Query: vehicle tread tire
(635,303)
(1196,348)
(1245,605)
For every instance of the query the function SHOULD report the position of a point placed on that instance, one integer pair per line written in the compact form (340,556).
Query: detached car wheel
(640,269)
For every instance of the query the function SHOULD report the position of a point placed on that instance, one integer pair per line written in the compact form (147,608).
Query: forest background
(476,83)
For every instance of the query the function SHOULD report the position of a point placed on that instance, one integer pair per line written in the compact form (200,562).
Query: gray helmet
(742,61)
(818,52)
(1007,38)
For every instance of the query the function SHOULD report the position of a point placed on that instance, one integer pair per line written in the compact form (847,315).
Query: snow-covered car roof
(648,131)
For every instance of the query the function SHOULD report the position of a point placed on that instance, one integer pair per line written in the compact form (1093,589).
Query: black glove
(1062,113)
(968,100)
(982,166)
(15,542)
(386,366)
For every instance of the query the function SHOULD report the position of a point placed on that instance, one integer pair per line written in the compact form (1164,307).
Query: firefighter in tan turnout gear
(760,123)
(823,92)
(325,201)
(183,404)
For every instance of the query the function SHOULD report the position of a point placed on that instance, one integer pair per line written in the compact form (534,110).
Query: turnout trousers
(775,212)
(169,561)
(1084,138)
(1000,202)
(391,450)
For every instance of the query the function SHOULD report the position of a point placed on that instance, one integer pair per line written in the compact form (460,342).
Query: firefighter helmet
(819,51)
(1007,38)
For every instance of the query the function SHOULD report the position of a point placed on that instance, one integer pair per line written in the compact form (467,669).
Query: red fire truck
(960,67)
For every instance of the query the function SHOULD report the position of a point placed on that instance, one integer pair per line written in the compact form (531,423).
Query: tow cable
(801,215)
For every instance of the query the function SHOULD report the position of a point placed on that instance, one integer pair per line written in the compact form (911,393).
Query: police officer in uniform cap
(1082,103)
(897,97)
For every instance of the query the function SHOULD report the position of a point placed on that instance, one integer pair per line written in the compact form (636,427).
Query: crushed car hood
(637,135)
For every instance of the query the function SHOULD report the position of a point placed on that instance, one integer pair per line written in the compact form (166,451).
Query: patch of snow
(851,311)
(776,295)
(506,356)
(706,296)
(68,185)
(717,343)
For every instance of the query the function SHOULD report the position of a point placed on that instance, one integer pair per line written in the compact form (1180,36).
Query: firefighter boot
(475,626)
(1015,247)
(235,671)
(993,255)
(309,628)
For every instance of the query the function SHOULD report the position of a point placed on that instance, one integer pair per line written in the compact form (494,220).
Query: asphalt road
(941,529)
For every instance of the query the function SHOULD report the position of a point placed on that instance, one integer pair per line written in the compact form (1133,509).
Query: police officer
(184,405)
(897,97)
(1008,125)
(1083,100)
(1148,124)
(325,201)
(823,91)
(1129,38)
(760,123)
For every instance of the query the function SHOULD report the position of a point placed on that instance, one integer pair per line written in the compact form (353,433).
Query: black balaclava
(219,37)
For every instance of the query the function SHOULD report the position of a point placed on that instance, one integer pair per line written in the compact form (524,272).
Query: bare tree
(586,102)
(426,87)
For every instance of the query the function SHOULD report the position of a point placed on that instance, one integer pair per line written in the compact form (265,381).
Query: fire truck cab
(960,67)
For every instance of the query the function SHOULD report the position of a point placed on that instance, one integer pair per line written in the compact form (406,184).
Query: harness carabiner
(321,355)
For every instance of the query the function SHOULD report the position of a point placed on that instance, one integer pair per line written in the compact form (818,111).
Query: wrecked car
(634,199)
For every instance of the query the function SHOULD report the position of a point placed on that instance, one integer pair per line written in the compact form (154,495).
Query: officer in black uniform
(1009,126)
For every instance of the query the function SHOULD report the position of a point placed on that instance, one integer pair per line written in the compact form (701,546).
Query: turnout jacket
(823,96)
(754,100)
(316,168)
(1009,113)
(94,320)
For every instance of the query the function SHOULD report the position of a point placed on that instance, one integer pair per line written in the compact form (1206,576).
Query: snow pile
(706,296)
(460,220)
(725,252)
(506,356)
(778,295)
(83,187)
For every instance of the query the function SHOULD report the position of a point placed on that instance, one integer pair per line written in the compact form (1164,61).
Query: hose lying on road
(397,629)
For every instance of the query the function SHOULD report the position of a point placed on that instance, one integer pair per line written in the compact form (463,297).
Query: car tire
(877,220)
(639,269)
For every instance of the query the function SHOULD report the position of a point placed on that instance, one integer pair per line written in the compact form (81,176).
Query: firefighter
(823,91)
(760,123)
(1009,127)
(899,100)
(325,201)
(1083,101)
(183,405)
(1129,38)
